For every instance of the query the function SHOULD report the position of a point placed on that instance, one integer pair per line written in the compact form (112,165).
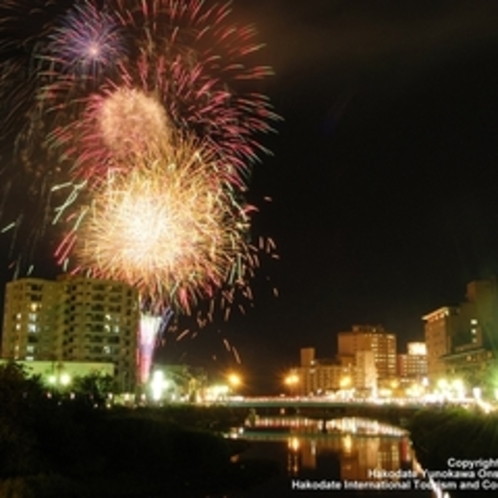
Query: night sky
(382,179)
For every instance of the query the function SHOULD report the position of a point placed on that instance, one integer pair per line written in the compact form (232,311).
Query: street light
(345,382)
(234,379)
(158,384)
(63,379)
(291,381)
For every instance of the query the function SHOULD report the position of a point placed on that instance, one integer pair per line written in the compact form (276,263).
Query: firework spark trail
(182,335)
(151,330)
(149,326)
(236,355)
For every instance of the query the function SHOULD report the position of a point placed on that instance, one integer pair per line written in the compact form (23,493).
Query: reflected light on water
(358,445)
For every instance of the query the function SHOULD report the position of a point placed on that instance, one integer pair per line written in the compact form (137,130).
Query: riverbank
(56,446)
(458,446)
(124,453)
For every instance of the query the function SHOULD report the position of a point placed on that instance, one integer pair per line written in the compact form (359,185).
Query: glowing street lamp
(459,387)
(158,384)
(291,381)
(234,380)
(65,379)
(345,382)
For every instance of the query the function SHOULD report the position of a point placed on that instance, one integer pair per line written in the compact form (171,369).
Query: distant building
(413,364)
(365,378)
(322,376)
(307,357)
(73,319)
(373,339)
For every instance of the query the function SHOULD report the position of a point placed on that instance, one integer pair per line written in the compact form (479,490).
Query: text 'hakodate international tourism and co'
(460,475)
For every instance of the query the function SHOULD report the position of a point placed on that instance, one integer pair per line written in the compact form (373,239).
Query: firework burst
(169,227)
(115,124)
(86,43)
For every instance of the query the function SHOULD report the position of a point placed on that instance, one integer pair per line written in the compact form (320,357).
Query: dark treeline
(55,446)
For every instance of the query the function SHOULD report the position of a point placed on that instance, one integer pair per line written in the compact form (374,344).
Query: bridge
(396,413)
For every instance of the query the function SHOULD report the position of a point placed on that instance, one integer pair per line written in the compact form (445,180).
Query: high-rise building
(440,328)
(75,319)
(307,357)
(480,312)
(31,320)
(371,338)
(462,341)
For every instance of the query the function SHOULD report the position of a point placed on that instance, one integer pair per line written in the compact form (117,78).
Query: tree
(94,388)
(21,398)
(18,392)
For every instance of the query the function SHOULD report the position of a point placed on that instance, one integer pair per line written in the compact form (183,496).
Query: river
(346,453)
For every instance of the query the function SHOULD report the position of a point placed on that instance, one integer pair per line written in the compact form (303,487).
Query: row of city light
(162,387)
(444,389)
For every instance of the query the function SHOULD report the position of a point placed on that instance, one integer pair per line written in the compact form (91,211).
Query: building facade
(365,378)
(462,341)
(413,365)
(73,319)
(319,376)
(374,339)
(440,328)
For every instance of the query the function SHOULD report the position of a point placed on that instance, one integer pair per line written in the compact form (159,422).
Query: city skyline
(382,176)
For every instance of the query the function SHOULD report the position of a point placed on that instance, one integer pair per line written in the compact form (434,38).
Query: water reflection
(343,450)
(357,455)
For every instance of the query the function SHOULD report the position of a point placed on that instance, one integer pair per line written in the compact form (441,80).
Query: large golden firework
(167,224)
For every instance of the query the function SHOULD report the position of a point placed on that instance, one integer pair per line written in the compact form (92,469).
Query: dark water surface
(308,457)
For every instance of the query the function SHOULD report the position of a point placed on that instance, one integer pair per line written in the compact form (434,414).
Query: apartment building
(73,319)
